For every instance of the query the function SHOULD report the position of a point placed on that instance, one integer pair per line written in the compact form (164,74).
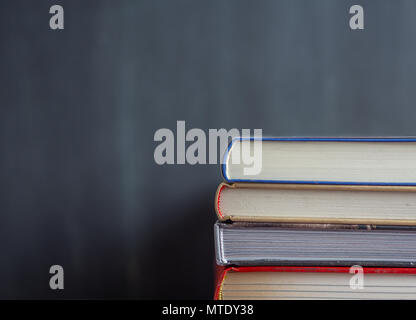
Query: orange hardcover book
(303,203)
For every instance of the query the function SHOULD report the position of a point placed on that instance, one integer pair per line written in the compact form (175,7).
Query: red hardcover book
(315,283)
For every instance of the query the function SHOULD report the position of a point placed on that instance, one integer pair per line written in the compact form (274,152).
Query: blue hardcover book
(350,161)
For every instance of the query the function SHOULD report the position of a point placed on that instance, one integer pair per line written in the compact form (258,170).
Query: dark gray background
(79,108)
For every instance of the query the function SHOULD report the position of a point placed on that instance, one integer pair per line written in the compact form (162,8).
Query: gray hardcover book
(254,244)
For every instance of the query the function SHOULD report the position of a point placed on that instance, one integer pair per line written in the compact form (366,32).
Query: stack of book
(326,218)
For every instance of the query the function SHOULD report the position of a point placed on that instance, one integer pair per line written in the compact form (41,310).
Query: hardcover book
(255,244)
(346,204)
(366,161)
(267,283)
